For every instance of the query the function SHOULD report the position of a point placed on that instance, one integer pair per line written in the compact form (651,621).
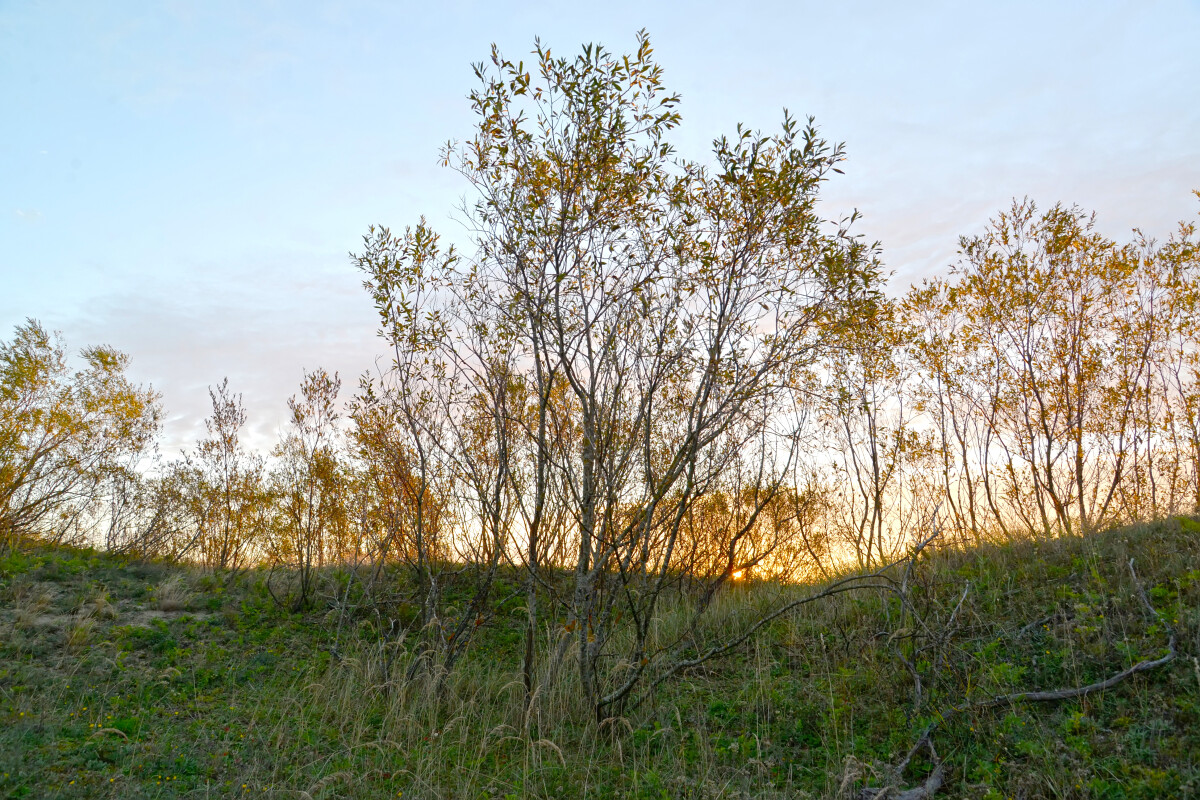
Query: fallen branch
(877,580)
(937,776)
(1099,686)
(922,792)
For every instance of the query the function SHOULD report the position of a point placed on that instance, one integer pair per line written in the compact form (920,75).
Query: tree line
(643,378)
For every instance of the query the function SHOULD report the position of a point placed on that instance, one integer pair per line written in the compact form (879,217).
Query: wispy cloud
(235,152)
(261,332)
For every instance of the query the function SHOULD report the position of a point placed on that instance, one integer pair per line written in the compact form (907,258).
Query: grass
(135,680)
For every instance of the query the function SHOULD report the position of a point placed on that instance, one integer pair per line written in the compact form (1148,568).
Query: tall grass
(819,704)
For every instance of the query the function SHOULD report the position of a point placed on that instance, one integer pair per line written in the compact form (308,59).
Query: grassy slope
(108,690)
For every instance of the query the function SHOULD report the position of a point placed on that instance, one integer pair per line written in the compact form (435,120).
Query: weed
(30,602)
(98,604)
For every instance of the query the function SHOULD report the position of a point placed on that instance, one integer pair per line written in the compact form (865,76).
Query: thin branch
(935,779)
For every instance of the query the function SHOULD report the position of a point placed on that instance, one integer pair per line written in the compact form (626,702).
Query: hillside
(142,680)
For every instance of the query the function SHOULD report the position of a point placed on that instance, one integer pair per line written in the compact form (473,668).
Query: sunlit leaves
(1061,367)
(628,336)
(63,432)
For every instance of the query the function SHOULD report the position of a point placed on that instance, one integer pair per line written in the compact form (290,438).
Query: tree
(64,433)
(222,486)
(632,331)
(876,446)
(309,483)
(1060,369)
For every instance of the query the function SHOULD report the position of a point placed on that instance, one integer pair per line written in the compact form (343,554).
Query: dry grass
(98,605)
(79,634)
(172,594)
(30,602)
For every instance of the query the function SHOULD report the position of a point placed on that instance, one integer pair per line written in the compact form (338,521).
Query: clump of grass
(98,605)
(30,602)
(172,594)
(79,633)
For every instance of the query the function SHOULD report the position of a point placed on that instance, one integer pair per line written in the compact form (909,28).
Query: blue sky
(184,180)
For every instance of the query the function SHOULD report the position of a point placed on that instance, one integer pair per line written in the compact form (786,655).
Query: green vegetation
(549,548)
(121,678)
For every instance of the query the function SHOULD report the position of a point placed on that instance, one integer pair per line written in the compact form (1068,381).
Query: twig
(935,779)
(877,580)
(1037,623)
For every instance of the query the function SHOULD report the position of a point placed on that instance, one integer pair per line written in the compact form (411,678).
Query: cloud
(261,327)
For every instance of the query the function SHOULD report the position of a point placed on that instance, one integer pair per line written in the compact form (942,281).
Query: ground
(126,679)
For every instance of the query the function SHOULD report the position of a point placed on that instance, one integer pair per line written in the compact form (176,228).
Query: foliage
(554,546)
(222,488)
(630,337)
(65,434)
(1061,371)
(311,486)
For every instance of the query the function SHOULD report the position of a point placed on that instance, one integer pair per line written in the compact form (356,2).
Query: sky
(185,181)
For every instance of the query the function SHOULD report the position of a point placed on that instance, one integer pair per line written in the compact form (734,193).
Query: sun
(737,574)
